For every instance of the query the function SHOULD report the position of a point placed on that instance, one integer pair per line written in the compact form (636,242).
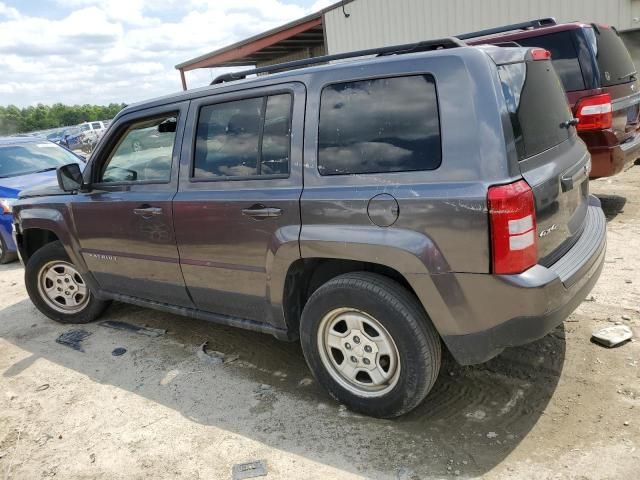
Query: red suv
(600,80)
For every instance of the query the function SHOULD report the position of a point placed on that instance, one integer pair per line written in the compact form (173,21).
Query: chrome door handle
(260,211)
(147,211)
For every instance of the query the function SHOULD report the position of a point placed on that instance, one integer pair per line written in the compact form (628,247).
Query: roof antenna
(346,15)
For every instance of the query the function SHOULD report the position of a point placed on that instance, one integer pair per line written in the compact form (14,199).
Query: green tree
(41,117)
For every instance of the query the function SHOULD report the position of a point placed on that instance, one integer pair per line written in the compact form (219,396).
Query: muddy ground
(562,407)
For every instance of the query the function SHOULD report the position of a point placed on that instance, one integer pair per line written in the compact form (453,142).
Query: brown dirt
(553,409)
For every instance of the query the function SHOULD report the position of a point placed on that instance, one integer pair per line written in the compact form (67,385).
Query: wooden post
(184,81)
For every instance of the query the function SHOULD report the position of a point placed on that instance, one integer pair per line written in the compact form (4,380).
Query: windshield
(615,63)
(23,159)
(71,131)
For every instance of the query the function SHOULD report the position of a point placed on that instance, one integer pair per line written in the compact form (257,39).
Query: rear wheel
(57,288)
(369,342)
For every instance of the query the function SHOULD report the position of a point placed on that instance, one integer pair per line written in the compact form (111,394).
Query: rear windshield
(615,63)
(564,57)
(537,105)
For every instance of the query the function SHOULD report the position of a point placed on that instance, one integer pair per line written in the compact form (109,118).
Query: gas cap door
(383,210)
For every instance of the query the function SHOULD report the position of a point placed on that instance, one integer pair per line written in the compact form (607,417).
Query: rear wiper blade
(632,74)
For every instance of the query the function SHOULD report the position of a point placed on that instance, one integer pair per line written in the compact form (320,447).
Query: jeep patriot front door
(237,208)
(125,222)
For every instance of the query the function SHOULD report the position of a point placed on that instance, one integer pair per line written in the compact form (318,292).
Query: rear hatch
(617,78)
(552,160)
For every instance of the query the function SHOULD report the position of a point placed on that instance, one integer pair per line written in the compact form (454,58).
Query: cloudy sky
(102,51)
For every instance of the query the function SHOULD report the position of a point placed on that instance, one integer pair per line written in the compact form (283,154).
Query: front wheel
(57,289)
(369,342)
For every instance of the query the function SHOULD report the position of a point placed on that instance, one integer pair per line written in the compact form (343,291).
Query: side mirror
(70,177)
(168,126)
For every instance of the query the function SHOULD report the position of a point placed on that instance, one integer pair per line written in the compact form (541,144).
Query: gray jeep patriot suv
(378,210)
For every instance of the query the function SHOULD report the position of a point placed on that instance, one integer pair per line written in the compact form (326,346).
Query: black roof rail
(438,44)
(531,24)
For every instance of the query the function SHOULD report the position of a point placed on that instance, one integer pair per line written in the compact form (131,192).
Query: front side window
(244,138)
(144,153)
(379,126)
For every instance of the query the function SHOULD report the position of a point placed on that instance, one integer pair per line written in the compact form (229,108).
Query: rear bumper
(495,312)
(5,231)
(608,161)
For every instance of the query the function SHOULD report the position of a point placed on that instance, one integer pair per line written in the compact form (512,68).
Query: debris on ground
(249,470)
(73,339)
(214,357)
(118,352)
(209,356)
(612,336)
(149,332)
(42,387)
(492,435)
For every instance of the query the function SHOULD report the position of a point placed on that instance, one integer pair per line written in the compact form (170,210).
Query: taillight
(512,216)
(540,54)
(594,113)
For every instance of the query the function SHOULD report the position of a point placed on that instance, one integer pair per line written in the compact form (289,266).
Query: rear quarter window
(379,126)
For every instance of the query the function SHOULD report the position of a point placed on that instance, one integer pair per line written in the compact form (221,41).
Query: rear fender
(411,254)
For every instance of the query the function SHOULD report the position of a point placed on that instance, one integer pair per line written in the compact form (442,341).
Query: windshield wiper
(49,169)
(632,74)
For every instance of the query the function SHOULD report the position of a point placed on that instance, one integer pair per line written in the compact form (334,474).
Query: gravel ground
(562,407)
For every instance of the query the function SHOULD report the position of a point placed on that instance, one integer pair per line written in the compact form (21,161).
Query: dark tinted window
(275,138)
(377,126)
(616,65)
(144,153)
(537,105)
(244,138)
(564,57)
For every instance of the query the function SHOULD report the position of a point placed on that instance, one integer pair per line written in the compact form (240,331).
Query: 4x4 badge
(547,231)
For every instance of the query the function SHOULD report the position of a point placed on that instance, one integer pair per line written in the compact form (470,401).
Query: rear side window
(614,60)
(379,126)
(244,138)
(537,106)
(564,57)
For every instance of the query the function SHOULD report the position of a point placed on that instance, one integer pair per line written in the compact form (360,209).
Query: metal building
(359,24)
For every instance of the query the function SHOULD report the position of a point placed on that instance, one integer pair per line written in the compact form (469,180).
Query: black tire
(401,314)
(51,252)
(5,256)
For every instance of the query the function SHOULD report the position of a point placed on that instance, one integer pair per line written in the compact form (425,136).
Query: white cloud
(8,12)
(105,51)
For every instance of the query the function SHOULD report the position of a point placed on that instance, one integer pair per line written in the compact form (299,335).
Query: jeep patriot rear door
(237,207)
(125,222)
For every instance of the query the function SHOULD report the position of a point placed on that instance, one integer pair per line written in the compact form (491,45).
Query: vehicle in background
(24,163)
(599,77)
(56,135)
(419,223)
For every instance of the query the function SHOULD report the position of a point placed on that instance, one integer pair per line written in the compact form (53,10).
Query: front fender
(59,222)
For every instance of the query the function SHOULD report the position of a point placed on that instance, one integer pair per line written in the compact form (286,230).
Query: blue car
(25,162)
